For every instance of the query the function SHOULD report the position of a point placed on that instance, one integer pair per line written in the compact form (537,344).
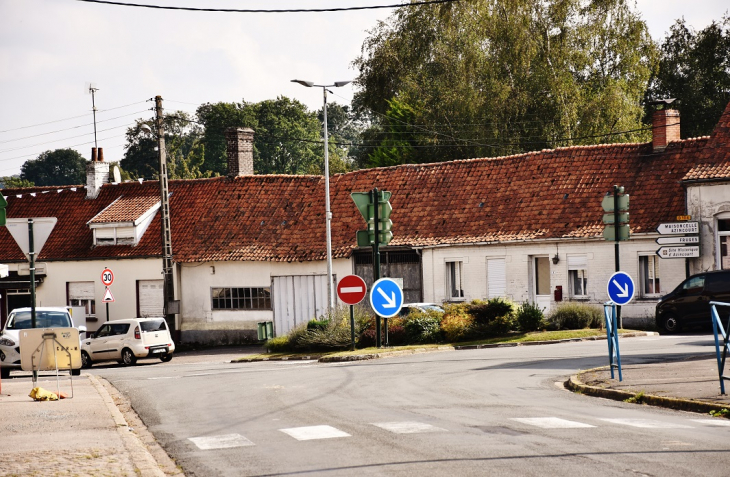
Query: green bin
(265,330)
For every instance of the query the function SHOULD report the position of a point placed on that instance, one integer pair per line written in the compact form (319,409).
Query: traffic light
(384,223)
(3,204)
(366,206)
(616,206)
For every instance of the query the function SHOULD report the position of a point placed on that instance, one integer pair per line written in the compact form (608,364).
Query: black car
(689,303)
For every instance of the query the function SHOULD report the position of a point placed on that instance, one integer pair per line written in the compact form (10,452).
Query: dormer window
(124,221)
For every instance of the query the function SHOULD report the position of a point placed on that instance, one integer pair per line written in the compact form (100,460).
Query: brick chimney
(97,173)
(240,151)
(665,128)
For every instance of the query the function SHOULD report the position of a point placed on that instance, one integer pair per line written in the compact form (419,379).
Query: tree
(287,137)
(14,182)
(694,68)
(183,146)
(58,167)
(492,77)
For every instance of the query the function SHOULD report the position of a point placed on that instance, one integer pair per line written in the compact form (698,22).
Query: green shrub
(280,344)
(457,325)
(530,317)
(575,316)
(423,327)
(485,312)
(501,325)
(320,324)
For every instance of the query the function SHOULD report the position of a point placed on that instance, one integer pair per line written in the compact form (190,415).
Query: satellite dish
(116,174)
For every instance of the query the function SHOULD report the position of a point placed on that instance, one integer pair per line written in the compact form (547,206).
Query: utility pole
(168,283)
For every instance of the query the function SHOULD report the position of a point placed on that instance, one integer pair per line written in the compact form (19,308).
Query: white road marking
(551,422)
(407,427)
(314,432)
(226,441)
(647,423)
(713,422)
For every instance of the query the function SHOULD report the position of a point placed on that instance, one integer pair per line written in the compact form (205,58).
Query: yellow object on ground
(40,394)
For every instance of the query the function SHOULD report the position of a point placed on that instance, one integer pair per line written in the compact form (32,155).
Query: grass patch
(638,398)
(512,338)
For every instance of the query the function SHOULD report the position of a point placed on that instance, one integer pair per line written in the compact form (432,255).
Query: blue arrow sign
(620,288)
(386,297)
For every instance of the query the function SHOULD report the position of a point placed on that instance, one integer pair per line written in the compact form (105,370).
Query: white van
(126,341)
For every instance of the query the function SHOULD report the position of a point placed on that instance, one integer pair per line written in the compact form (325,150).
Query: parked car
(128,340)
(408,308)
(20,319)
(689,303)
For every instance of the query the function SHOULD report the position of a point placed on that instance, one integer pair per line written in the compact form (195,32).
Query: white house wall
(52,292)
(199,323)
(705,202)
(600,266)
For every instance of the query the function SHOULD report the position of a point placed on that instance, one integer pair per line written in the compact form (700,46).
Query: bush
(320,324)
(457,325)
(575,316)
(485,312)
(280,344)
(530,317)
(500,325)
(423,327)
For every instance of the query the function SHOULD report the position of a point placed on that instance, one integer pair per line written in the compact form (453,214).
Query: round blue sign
(620,288)
(386,297)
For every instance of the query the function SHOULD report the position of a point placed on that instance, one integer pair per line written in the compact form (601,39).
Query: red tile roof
(715,159)
(126,209)
(550,194)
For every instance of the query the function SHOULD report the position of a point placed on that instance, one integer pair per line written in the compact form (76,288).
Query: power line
(73,127)
(72,117)
(288,10)
(63,139)
(67,147)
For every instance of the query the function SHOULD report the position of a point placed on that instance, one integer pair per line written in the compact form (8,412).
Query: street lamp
(328,212)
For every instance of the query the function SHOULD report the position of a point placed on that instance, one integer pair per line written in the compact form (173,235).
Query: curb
(576,385)
(142,459)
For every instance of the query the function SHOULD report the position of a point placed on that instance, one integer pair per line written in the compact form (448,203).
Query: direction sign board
(108,297)
(678,240)
(674,228)
(620,288)
(351,289)
(107,277)
(690,251)
(386,297)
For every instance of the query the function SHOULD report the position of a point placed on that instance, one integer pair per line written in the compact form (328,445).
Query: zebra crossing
(308,433)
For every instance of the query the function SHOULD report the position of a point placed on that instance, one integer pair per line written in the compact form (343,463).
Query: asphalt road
(482,412)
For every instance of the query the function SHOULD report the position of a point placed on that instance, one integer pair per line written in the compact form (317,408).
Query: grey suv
(689,303)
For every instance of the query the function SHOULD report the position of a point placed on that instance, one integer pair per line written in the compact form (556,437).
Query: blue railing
(719,331)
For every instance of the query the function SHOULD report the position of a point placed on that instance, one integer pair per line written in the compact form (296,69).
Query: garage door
(298,299)
(150,298)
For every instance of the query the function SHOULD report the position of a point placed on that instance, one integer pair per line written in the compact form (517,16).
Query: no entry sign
(351,289)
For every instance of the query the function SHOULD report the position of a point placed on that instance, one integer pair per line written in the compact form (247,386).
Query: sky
(50,50)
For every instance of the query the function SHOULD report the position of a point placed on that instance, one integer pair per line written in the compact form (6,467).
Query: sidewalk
(691,384)
(86,435)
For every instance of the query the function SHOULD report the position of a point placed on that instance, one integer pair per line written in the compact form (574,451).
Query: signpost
(352,290)
(386,297)
(687,232)
(620,288)
(692,251)
(107,278)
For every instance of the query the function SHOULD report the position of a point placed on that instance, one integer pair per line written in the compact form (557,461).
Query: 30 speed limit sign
(107,277)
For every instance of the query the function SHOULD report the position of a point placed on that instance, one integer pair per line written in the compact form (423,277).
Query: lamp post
(328,212)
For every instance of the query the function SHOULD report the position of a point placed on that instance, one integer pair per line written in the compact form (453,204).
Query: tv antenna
(92,89)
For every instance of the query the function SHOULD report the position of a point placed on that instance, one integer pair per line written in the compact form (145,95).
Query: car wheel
(670,324)
(5,373)
(165,358)
(128,358)
(76,372)
(86,362)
